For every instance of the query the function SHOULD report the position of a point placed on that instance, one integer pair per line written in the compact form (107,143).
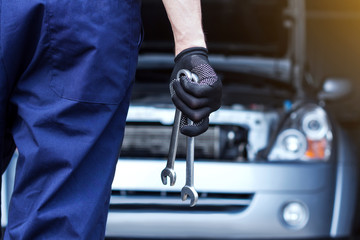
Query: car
(274,163)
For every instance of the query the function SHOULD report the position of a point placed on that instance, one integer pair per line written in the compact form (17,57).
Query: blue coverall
(66,74)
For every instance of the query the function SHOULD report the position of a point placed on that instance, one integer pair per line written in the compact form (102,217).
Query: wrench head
(168,172)
(188,191)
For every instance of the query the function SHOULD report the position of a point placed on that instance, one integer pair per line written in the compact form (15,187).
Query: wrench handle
(174,140)
(190,155)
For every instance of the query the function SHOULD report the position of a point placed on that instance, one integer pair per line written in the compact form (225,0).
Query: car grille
(219,142)
(171,201)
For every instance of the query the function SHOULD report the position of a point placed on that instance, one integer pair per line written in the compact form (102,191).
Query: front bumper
(237,200)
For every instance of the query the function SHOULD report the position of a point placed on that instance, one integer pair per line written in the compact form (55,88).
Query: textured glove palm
(195,100)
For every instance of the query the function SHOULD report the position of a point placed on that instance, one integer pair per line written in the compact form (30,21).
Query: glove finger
(212,94)
(189,100)
(202,90)
(196,129)
(195,115)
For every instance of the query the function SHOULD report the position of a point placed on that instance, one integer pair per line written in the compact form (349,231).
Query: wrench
(169,169)
(188,190)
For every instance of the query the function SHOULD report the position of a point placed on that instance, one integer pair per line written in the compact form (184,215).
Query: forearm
(186,23)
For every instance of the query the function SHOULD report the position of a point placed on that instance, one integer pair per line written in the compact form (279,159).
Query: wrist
(192,50)
(188,43)
(181,47)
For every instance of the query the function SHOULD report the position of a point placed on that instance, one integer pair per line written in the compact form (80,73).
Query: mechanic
(67,69)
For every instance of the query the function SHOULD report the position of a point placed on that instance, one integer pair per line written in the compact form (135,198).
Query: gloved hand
(195,100)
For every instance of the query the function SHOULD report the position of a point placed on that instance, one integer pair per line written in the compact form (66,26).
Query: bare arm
(185,19)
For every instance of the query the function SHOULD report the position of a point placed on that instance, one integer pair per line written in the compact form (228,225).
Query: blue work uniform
(66,74)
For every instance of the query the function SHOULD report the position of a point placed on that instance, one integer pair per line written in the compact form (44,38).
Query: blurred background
(333,36)
(333,49)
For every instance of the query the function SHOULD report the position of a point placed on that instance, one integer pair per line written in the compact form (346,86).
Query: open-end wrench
(188,189)
(169,169)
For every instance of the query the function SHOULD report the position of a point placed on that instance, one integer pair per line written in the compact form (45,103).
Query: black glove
(195,100)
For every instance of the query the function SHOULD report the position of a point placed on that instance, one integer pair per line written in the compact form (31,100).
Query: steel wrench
(188,189)
(169,169)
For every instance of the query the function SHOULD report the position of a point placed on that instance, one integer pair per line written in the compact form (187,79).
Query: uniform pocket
(93,46)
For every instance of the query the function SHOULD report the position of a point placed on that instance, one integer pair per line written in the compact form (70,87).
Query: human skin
(186,23)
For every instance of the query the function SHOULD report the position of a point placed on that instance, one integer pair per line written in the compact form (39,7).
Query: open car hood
(254,37)
(246,27)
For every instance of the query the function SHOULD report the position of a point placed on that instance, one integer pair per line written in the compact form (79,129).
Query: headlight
(315,124)
(306,135)
(291,145)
